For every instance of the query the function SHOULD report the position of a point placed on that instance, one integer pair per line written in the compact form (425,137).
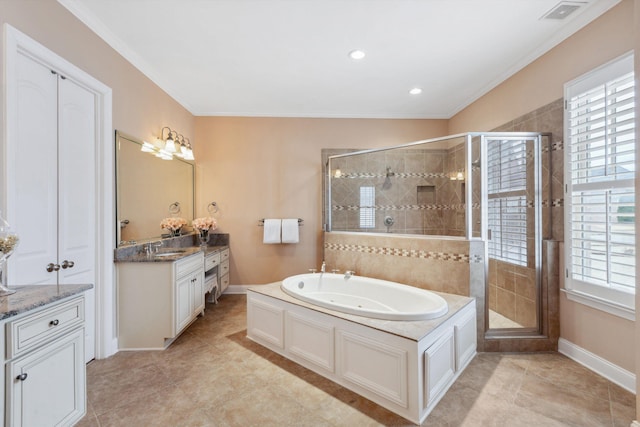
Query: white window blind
(507,204)
(367,207)
(599,178)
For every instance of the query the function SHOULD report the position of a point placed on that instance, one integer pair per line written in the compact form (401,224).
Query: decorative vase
(8,243)
(204,237)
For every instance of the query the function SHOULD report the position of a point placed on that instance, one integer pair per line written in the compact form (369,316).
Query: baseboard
(597,364)
(237,289)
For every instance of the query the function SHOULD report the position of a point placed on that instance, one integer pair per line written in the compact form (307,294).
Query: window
(507,204)
(599,186)
(367,207)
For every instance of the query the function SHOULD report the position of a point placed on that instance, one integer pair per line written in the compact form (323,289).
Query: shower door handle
(489,234)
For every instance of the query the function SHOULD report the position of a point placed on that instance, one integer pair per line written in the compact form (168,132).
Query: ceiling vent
(563,9)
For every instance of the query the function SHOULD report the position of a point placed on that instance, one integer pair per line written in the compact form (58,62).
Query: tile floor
(214,376)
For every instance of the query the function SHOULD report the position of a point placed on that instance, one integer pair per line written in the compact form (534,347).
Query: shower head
(476,163)
(390,173)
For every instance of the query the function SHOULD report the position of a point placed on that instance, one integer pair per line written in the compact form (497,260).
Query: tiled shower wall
(413,187)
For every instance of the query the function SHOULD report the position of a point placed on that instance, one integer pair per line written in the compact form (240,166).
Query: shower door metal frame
(536,138)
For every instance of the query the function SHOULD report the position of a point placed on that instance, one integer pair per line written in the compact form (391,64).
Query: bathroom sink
(172,253)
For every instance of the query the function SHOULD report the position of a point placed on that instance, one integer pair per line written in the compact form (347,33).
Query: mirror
(147,190)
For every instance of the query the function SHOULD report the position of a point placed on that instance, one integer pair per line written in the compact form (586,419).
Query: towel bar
(261,222)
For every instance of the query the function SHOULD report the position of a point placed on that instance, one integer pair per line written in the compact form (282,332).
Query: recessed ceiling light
(415,91)
(356,54)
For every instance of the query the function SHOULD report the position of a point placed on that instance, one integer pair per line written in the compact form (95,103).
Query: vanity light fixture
(175,145)
(185,151)
(148,148)
(169,144)
(188,152)
(164,154)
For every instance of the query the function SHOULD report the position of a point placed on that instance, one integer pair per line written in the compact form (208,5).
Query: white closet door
(76,195)
(32,196)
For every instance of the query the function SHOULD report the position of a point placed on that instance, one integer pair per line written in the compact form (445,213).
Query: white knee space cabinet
(158,300)
(44,368)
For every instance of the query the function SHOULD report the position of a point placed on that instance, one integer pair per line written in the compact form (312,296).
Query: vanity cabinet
(45,374)
(211,283)
(223,270)
(216,267)
(158,300)
(189,291)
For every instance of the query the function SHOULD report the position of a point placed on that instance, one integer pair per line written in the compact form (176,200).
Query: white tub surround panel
(404,366)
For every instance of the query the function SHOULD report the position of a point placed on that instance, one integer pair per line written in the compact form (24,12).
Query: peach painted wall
(540,83)
(140,108)
(271,168)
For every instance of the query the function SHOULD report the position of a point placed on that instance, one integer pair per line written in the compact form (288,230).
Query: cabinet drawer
(35,329)
(224,255)
(189,265)
(224,282)
(211,261)
(224,268)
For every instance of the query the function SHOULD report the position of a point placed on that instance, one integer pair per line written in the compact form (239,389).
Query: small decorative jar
(8,243)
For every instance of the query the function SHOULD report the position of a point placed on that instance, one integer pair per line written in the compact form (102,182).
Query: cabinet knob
(67,264)
(53,267)
(22,376)
(54,322)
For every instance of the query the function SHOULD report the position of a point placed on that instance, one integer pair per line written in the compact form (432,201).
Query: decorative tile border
(395,175)
(401,207)
(405,253)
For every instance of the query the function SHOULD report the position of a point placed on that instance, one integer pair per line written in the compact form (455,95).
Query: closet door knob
(53,267)
(67,264)
(22,376)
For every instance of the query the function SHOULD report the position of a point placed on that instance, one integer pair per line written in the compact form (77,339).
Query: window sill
(601,304)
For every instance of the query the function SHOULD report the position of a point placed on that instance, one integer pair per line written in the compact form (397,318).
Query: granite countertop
(413,330)
(33,296)
(181,252)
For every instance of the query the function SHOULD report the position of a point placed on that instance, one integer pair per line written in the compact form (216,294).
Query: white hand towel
(290,233)
(271,231)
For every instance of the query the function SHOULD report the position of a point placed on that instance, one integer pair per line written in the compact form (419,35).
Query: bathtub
(364,296)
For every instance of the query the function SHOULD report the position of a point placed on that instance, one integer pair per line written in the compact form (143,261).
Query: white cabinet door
(183,302)
(51,184)
(47,387)
(32,174)
(76,194)
(197,295)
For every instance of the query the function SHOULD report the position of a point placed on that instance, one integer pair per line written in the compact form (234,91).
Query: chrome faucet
(348,274)
(323,267)
(152,247)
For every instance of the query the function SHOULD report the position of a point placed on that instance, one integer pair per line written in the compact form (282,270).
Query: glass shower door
(511,218)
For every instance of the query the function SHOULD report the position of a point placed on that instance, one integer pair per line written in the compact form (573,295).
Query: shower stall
(487,188)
